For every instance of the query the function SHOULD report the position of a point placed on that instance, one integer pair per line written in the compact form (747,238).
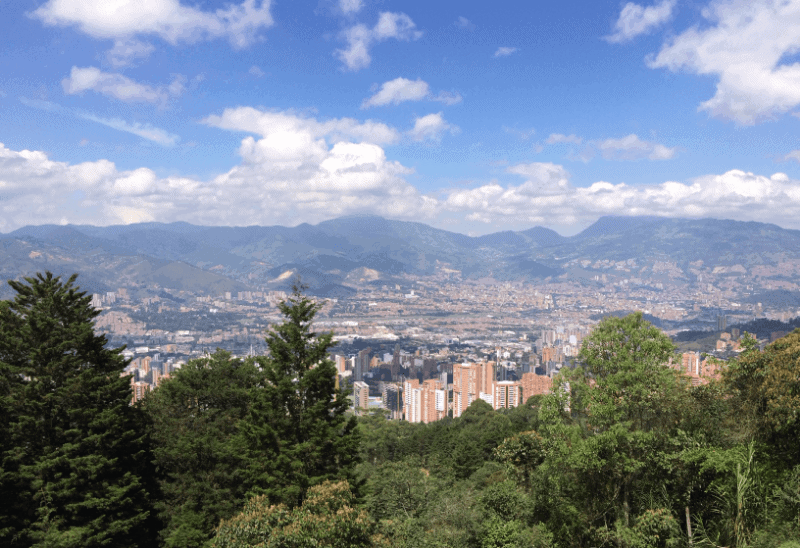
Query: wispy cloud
(145,131)
(120,87)
(555,138)
(400,90)
(635,20)
(504,51)
(350,6)
(360,38)
(464,23)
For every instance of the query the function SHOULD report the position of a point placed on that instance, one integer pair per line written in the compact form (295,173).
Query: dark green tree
(198,460)
(74,451)
(297,434)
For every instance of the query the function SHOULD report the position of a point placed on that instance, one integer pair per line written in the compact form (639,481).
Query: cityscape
(427,350)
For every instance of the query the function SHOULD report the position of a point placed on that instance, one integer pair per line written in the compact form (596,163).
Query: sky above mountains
(470,116)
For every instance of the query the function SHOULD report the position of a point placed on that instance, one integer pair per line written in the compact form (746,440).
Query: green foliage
(327,518)
(296,434)
(765,390)
(400,491)
(194,420)
(74,452)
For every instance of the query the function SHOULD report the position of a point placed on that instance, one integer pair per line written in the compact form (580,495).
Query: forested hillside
(624,452)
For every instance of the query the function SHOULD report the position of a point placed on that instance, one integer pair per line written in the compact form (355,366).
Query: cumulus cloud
(635,20)
(125,52)
(504,51)
(297,169)
(547,197)
(400,90)
(168,19)
(300,173)
(360,38)
(119,87)
(431,127)
(556,138)
(631,147)
(256,71)
(744,45)
(287,128)
(350,6)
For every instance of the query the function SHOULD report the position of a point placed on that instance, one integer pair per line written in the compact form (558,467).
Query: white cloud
(398,90)
(360,38)
(743,44)
(298,169)
(299,173)
(350,6)
(546,197)
(402,89)
(145,131)
(504,51)
(167,19)
(256,71)
(125,52)
(464,23)
(431,127)
(555,138)
(793,155)
(635,20)
(118,86)
(631,147)
(286,128)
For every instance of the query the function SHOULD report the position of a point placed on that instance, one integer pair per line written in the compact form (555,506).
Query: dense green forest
(235,453)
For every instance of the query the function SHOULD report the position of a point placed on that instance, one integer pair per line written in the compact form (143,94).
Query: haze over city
(468,116)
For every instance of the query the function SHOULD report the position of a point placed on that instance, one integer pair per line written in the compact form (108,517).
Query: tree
(197,453)
(328,518)
(627,360)
(765,390)
(73,449)
(296,434)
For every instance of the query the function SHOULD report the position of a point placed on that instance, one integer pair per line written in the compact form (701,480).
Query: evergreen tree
(194,426)
(297,434)
(73,448)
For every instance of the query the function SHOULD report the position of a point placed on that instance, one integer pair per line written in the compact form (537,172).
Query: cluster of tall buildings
(433,399)
(472,381)
(699,370)
(147,373)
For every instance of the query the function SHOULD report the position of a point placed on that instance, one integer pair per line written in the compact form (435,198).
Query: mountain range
(334,257)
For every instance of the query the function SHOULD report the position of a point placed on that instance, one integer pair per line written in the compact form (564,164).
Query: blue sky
(471,116)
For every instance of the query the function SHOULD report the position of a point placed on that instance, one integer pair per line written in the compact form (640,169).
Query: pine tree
(297,433)
(198,460)
(73,448)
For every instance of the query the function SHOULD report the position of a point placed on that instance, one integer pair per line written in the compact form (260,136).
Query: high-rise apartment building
(507,394)
(471,382)
(432,402)
(466,386)
(391,400)
(533,384)
(360,396)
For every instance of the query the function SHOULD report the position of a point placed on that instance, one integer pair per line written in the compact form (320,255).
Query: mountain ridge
(255,256)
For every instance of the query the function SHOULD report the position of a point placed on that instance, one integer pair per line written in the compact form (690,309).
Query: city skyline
(467,117)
